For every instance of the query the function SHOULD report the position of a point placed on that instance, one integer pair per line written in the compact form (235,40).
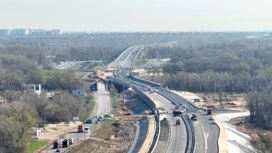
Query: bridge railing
(153,84)
(149,103)
(190,144)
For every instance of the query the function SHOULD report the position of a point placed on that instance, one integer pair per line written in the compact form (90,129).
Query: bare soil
(53,131)
(260,139)
(231,103)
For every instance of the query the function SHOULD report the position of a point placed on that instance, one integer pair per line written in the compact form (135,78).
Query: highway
(178,136)
(103,106)
(125,59)
(206,133)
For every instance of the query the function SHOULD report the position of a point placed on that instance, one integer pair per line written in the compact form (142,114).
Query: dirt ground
(54,131)
(261,139)
(115,136)
(232,103)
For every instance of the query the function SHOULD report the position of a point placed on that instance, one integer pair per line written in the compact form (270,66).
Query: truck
(56,144)
(80,129)
(177,112)
(209,111)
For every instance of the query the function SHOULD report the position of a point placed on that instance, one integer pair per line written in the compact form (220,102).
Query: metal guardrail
(146,99)
(153,84)
(149,103)
(190,144)
(157,132)
(156,135)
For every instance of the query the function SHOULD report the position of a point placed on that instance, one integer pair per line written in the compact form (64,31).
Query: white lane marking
(205,139)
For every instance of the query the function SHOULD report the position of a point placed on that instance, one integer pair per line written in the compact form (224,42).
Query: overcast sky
(137,15)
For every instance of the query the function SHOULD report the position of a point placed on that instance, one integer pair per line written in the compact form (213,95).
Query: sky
(137,15)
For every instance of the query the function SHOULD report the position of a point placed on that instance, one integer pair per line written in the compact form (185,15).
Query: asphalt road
(103,106)
(122,57)
(178,136)
(206,134)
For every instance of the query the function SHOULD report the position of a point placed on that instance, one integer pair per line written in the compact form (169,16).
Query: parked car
(86,130)
(89,121)
(65,143)
(71,140)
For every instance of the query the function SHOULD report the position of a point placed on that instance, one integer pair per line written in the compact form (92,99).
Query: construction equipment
(56,144)
(193,118)
(177,112)
(178,122)
(209,111)
(80,129)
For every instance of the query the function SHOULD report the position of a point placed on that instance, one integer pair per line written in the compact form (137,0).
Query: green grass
(35,146)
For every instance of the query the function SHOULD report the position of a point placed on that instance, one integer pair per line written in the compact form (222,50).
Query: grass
(35,146)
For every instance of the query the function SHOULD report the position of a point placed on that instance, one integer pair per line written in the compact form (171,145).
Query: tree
(15,126)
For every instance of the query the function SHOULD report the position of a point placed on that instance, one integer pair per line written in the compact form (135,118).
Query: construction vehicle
(178,122)
(80,129)
(177,112)
(193,118)
(150,90)
(56,144)
(209,111)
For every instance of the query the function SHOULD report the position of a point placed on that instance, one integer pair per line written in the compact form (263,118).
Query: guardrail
(149,103)
(146,99)
(153,84)
(190,144)
(175,99)
(157,132)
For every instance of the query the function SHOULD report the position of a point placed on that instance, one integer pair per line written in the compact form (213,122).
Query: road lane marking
(205,139)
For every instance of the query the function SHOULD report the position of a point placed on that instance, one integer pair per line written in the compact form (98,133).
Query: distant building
(37,32)
(37,88)
(4,32)
(79,92)
(20,32)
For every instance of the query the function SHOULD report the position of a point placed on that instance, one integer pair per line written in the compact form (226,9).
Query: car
(101,117)
(96,116)
(127,114)
(211,118)
(213,122)
(89,121)
(86,130)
